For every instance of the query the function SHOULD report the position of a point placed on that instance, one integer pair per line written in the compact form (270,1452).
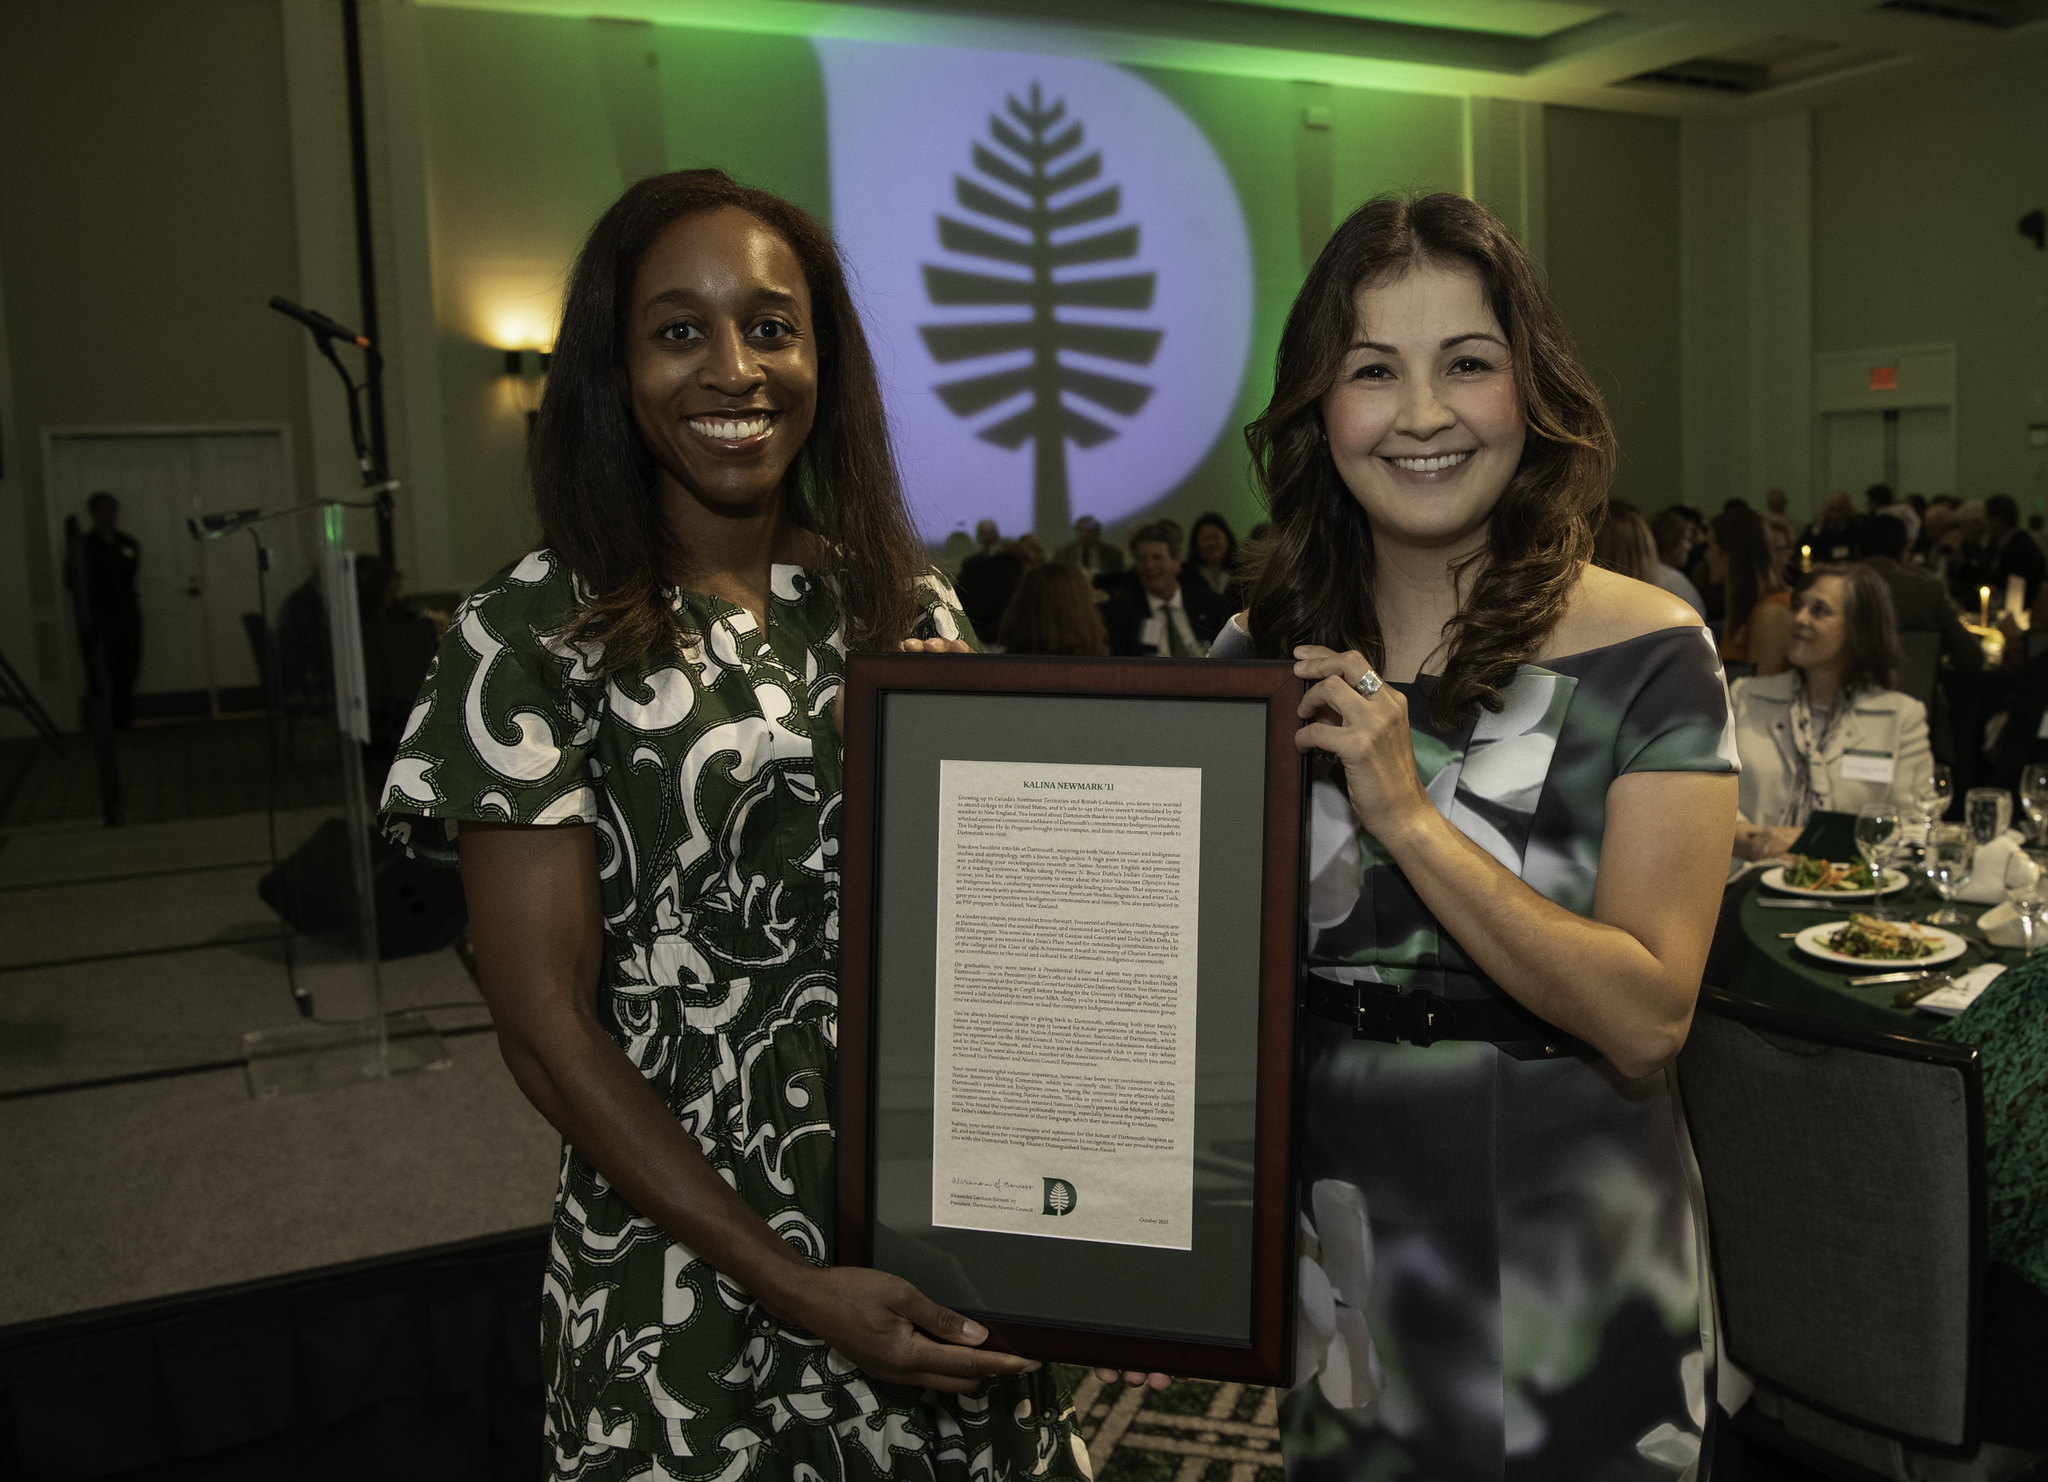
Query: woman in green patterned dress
(635,728)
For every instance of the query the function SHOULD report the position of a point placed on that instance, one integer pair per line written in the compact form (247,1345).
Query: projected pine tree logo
(1034,164)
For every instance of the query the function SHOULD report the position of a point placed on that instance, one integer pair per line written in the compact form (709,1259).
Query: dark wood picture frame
(1268,1357)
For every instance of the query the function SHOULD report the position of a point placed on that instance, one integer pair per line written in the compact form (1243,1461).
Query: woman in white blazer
(1830,734)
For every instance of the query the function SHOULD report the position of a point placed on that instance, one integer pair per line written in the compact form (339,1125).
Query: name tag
(1867,766)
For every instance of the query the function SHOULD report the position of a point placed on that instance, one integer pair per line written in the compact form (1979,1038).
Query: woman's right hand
(894,1332)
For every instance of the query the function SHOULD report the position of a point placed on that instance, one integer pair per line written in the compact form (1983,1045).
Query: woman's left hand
(1367,733)
(937,646)
(1134,1378)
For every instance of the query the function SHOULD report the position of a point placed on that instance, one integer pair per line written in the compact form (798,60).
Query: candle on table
(1983,607)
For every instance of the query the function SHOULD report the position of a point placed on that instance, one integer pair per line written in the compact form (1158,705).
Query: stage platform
(143,1179)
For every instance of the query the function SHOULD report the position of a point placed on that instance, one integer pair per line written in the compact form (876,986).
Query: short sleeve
(942,615)
(1675,716)
(504,723)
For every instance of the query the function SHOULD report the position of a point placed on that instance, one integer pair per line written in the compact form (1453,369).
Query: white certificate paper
(1064,1083)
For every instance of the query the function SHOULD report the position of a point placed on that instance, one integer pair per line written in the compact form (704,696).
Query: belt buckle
(1413,1017)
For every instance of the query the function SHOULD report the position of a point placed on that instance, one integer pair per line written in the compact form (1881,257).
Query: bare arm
(1770,635)
(1626,979)
(537,924)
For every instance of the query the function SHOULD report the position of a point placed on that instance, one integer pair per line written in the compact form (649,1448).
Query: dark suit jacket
(1921,604)
(1110,558)
(1129,609)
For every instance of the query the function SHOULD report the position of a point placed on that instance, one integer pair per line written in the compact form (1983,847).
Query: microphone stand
(370,462)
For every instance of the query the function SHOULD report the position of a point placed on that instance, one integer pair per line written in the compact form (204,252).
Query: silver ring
(1367,684)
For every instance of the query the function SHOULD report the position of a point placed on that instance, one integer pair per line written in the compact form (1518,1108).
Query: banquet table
(1770,969)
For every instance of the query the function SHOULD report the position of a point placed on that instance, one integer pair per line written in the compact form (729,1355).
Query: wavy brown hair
(1053,612)
(594,480)
(1314,577)
(1871,655)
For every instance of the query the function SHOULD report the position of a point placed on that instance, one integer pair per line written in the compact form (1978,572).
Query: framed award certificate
(1070,920)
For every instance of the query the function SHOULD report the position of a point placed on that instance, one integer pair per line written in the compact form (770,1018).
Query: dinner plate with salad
(1862,940)
(1824,880)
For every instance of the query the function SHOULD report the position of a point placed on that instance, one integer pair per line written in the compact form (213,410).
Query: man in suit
(1153,614)
(1088,555)
(2012,551)
(1920,602)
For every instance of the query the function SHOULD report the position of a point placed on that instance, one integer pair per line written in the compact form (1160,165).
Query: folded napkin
(1986,884)
(1959,995)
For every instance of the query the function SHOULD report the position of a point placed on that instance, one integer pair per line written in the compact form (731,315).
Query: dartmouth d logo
(1036,163)
(1060,1197)
(1053,269)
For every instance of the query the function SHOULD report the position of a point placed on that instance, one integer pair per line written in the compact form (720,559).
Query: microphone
(316,321)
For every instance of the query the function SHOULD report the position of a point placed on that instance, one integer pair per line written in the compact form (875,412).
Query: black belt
(1382,1012)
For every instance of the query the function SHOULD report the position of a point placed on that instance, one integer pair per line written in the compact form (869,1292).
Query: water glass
(1950,852)
(2026,886)
(1877,835)
(1988,811)
(2034,798)
(1936,789)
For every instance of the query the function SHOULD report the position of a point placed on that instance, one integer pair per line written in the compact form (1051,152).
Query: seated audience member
(1087,554)
(1832,537)
(1625,544)
(1779,534)
(2012,552)
(986,582)
(1028,547)
(1152,613)
(1756,609)
(1919,602)
(1794,731)
(954,553)
(1053,613)
(1214,550)
(1969,563)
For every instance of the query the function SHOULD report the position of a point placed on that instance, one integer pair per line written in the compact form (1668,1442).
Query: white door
(1911,448)
(193,593)
(1855,444)
(1927,451)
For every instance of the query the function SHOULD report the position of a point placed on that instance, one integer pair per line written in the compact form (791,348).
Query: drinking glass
(1988,811)
(2026,886)
(2034,799)
(1950,851)
(1939,786)
(1877,835)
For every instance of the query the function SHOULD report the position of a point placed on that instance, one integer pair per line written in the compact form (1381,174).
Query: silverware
(1901,977)
(1790,903)
(1907,997)
(1790,936)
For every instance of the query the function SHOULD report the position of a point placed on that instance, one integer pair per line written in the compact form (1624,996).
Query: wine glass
(1939,786)
(1877,834)
(1950,850)
(2034,799)
(2026,886)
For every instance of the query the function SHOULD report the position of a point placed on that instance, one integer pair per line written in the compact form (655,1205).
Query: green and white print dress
(714,786)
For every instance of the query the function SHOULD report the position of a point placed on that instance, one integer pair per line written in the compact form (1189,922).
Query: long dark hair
(1871,656)
(1746,550)
(1314,582)
(1053,612)
(593,479)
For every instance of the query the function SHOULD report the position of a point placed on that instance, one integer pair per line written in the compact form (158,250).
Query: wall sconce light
(523,378)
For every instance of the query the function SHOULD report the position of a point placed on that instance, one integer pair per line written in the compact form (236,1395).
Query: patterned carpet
(1194,1432)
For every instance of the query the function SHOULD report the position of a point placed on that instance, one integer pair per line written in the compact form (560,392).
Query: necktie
(1176,646)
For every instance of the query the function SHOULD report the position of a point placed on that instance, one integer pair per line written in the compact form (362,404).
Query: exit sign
(1884,378)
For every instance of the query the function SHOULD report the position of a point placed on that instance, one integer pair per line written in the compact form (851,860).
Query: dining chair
(1843,1175)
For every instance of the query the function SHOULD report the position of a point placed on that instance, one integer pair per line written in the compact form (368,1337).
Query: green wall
(1917,196)
(145,219)
(1613,241)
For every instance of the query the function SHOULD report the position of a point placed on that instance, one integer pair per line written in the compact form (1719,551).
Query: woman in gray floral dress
(634,728)
(1520,824)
